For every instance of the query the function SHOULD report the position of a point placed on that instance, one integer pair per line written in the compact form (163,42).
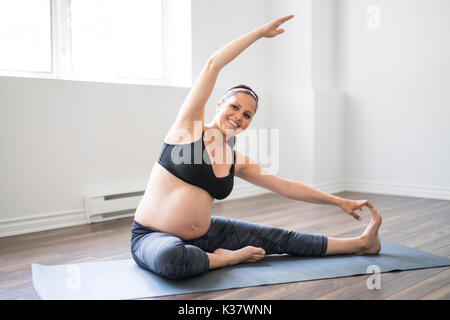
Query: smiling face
(235,113)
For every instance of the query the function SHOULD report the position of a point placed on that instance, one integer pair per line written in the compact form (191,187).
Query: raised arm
(193,107)
(233,49)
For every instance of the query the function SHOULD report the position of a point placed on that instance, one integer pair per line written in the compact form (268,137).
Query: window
(25,35)
(117,38)
(128,41)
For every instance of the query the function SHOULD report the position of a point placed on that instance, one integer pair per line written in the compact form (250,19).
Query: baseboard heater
(110,207)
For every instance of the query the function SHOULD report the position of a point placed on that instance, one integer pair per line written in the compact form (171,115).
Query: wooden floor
(416,222)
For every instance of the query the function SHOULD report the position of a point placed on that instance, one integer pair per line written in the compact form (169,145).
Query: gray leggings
(173,258)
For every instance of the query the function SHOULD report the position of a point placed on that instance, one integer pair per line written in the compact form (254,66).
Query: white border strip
(398,189)
(42,222)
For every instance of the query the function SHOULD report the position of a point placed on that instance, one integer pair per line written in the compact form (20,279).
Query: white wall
(363,110)
(61,140)
(306,104)
(290,87)
(397,84)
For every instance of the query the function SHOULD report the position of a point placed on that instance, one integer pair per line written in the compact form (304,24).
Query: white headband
(242,89)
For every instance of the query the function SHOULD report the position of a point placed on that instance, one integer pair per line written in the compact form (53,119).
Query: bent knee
(179,261)
(170,253)
(168,259)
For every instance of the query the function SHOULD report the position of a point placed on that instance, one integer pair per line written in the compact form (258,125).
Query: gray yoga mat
(123,279)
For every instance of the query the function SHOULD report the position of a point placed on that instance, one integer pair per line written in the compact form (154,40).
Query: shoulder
(183,132)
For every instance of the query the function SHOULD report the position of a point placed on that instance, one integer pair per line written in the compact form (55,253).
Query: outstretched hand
(350,206)
(270,30)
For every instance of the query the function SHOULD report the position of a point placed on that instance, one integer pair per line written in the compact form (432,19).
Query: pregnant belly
(173,206)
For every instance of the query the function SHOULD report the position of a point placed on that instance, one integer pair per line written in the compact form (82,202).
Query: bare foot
(246,254)
(370,238)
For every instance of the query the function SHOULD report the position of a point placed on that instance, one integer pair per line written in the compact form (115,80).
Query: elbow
(212,65)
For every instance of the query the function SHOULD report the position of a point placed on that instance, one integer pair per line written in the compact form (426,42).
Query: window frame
(61,51)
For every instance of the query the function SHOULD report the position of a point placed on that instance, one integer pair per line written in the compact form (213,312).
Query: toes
(253,254)
(374,211)
(258,254)
(257,250)
(376,215)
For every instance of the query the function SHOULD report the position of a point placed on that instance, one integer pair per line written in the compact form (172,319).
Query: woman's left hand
(350,206)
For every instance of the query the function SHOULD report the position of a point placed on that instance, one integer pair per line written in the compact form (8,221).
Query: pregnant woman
(173,232)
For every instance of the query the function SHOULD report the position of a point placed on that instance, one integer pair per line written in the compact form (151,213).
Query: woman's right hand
(270,30)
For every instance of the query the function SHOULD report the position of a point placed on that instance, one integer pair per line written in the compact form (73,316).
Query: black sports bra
(191,163)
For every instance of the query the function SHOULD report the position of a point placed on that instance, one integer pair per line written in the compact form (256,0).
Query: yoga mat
(124,279)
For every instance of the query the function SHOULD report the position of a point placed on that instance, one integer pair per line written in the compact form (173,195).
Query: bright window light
(25,35)
(116,38)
